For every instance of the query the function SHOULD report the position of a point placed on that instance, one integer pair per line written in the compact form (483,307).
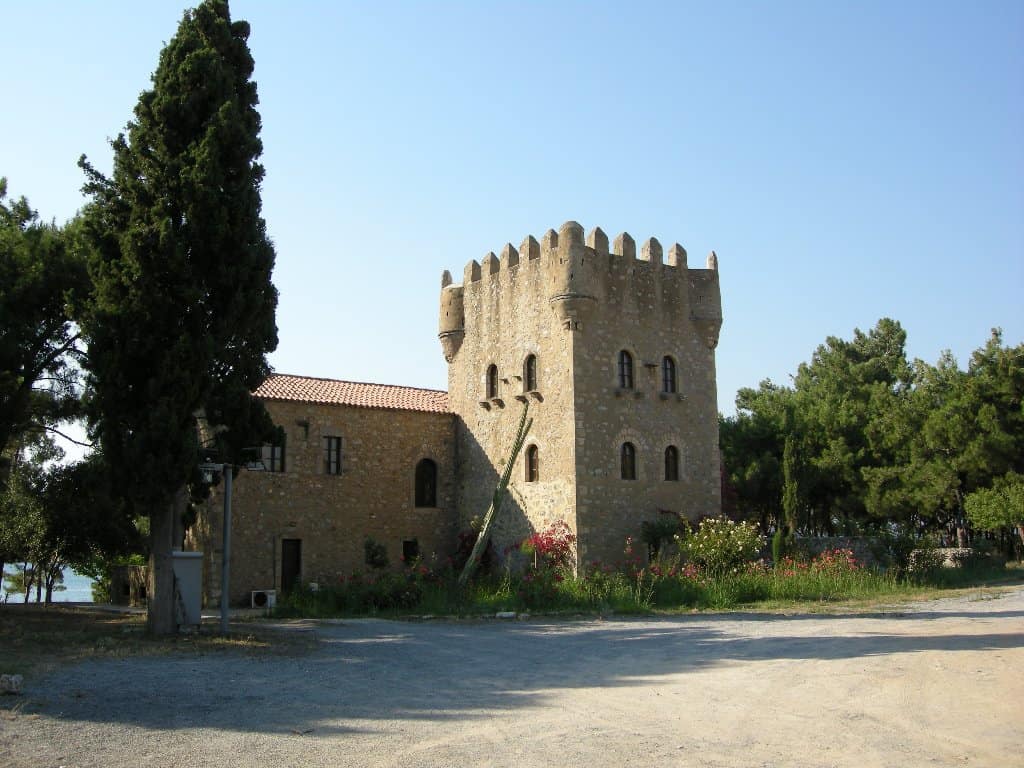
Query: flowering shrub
(554,548)
(720,545)
(835,561)
(552,552)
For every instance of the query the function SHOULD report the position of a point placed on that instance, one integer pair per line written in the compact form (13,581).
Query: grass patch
(823,582)
(38,638)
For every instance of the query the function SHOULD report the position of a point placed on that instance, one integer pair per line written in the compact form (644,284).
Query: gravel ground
(936,684)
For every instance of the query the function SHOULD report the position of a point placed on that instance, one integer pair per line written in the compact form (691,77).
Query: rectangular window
(332,455)
(272,458)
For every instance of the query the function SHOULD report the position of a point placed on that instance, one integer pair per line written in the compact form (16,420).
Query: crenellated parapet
(578,274)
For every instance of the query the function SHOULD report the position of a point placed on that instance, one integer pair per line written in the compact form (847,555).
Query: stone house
(613,354)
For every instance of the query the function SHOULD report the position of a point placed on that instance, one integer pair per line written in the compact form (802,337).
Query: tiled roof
(306,389)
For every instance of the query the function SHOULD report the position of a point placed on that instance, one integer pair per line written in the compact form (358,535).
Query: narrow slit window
(532,464)
(625,370)
(628,461)
(492,382)
(530,374)
(672,463)
(668,375)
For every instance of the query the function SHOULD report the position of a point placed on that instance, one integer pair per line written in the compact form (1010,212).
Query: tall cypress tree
(182,313)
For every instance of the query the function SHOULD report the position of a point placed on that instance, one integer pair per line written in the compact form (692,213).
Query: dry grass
(35,639)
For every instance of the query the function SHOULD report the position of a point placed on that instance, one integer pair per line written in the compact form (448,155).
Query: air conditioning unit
(264,598)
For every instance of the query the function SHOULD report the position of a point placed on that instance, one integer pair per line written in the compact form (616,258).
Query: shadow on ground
(366,673)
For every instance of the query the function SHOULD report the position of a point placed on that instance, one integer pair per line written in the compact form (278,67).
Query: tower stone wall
(495,318)
(577,303)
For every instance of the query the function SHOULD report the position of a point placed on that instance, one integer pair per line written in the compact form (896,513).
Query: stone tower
(615,355)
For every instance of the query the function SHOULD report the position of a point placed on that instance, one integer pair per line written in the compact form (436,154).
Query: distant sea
(77,589)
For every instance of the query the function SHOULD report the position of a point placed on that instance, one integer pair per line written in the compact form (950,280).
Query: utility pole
(225,560)
(225,563)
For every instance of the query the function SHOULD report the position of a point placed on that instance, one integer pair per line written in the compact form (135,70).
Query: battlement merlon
(575,269)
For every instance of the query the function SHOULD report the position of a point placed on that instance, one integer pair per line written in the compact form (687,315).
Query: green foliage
(53,515)
(41,275)
(375,553)
(831,576)
(181,314)
(752,450)
(896,545)
(1001,506)
(864,439)
(779,541)
(720,545)
(659,533)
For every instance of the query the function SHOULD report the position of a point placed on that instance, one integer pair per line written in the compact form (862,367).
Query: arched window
(492,382)
(671,462)
(426,483)
(625,370)
(530,373)
(628,461)
(532,465)
(668,375)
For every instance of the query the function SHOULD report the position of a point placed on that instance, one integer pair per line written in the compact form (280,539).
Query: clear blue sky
(847,161)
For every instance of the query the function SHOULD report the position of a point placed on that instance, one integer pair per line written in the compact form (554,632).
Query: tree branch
(66,437)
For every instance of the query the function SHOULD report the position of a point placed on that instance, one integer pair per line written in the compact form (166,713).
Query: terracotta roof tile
(306,389)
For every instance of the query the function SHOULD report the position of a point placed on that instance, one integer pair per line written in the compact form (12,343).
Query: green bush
(376,553)
(720,545)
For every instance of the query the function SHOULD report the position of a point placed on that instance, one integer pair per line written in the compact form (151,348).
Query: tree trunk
(51,579)
(27,581)
(161,618)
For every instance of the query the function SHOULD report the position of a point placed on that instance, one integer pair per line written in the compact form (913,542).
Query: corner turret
(452,324)
(706,301)
(571,277)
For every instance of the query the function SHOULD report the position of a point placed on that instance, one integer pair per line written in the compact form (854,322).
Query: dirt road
(937,684)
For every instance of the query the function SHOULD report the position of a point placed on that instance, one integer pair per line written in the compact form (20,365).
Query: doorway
(291,563)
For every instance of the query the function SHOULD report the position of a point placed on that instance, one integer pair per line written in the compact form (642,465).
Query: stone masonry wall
(575,305)
(645,306)
(332,514)
(503,323)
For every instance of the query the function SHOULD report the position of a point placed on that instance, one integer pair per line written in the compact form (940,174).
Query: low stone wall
(128,585)
(863,547)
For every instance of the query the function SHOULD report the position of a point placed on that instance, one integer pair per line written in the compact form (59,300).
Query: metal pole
(225,562)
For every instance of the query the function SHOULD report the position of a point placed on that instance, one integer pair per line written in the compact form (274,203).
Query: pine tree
(182,312)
